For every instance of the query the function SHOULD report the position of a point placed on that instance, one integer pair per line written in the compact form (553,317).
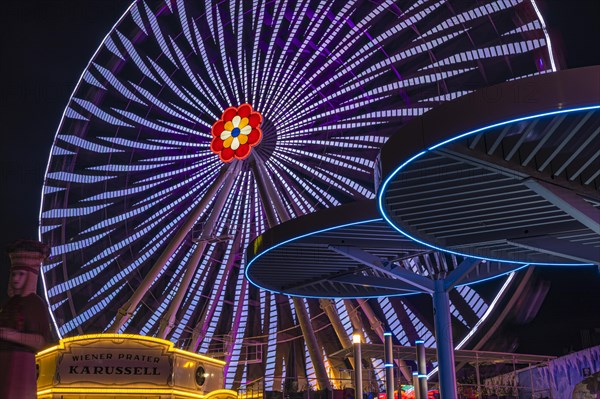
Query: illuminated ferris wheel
(197,125)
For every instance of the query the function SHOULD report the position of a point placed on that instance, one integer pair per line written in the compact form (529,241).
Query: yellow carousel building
(111,366)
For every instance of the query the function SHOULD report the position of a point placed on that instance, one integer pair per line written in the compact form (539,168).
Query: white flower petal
(225,134)
(246,130)
(236,121)
(235,144)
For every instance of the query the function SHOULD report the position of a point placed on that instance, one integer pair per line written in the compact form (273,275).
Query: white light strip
(549,43)
(482,320)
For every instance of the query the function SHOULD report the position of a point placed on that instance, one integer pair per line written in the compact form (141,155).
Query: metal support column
(422,386)
(531,381)
(269,196)
(203,322)
(311,343)
(516,386)
(358,327)
(125,312)
(357,366)
(168,322)
(421,369)
(416,384)
(377,326)
(329,308)
(443,337)
(389,364)
(478,376)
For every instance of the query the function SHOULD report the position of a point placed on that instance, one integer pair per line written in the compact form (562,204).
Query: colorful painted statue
(24,322)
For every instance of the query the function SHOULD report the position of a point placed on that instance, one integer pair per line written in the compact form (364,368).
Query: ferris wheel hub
(236,133)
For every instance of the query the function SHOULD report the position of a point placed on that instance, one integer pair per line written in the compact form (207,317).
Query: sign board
(115,362)
(127,365)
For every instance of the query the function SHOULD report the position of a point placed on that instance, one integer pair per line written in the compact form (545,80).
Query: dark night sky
(46,44)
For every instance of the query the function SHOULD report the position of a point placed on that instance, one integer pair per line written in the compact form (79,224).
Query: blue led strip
(261,254)
(384,185)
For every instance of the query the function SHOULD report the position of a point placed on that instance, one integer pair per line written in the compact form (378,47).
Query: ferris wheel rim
(329,195)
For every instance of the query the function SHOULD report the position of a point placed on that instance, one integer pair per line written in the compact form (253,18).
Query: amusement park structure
(197,126)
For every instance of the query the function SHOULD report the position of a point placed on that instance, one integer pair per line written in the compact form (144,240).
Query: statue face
(18,278)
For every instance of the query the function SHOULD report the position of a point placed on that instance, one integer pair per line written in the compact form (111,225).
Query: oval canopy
(508,173)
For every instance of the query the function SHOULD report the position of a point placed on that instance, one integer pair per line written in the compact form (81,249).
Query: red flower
(236,133)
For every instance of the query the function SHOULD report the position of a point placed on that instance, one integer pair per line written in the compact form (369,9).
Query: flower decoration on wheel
(236,133)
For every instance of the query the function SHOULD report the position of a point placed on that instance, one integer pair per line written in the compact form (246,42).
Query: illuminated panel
(473,299)
(58,151)
(170,289)
(110,45)
(392,320)
(135,13)
(94,110)
(344,316)
(457,314)
(79,142)
(209,258)
(73,246)
(88,313)
(125,272)
(58,289)
(310,370)
(74,178)
(120,87)
(422,331)
(89,78)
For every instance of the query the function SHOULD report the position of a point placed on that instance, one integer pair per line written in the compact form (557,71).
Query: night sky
(46,44)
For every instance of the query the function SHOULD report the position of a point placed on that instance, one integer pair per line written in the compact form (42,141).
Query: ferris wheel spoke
(229,217)
(296,191)
(125,312)
(185,23)
(154,25)
(335,181)
(313,194)
(165,297)
(195,102)
(305,85)
(263,187)
(377,326)
(216,92)
(284,64)
(290,80)
(237,329)
(300,308)
(215,301)
(209,226)
(196,297)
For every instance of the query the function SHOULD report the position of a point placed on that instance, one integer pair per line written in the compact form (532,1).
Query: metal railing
(343,388)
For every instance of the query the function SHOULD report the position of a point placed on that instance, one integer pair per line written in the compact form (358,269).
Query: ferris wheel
(194,120)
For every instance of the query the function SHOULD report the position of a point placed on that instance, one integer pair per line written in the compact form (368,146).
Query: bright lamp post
(357,366)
